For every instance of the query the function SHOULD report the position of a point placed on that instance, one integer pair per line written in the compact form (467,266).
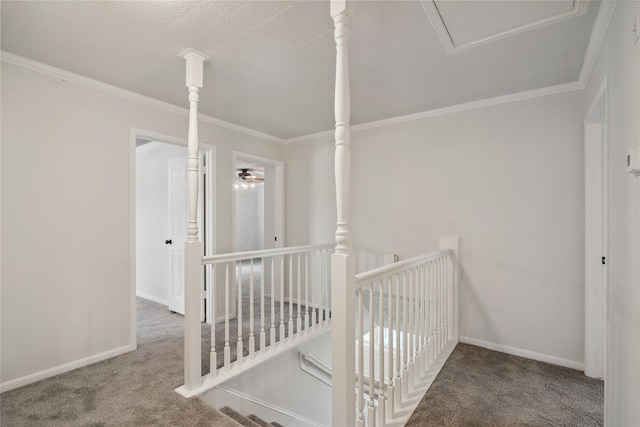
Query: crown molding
(39,67)
(605,13)
(599,31)
(474,105)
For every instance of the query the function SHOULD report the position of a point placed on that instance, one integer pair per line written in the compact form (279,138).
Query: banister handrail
(235,256)
(387,270)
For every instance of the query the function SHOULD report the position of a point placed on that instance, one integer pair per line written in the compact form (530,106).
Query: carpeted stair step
(275,424)
(231,413)
(256,419)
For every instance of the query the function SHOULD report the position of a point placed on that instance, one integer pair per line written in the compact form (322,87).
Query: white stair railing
(406,326)
(286,292)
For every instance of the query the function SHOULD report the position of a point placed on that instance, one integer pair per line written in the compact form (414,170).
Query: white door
(177,231)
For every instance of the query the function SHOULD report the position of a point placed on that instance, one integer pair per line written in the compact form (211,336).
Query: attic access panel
(465,24)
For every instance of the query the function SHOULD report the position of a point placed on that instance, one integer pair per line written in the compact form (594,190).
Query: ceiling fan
(245,179)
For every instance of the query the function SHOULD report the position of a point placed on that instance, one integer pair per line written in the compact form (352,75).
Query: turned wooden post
(343,402)
(193,246)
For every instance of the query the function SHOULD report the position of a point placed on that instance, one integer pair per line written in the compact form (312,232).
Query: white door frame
(208,223)
(279,196)
(596,232)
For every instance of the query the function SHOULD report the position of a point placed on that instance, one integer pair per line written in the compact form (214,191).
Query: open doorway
(596,236)
(159,222)
(258,203)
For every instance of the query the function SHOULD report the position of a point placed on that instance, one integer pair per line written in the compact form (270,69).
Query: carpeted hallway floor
(476,387)
(479,387)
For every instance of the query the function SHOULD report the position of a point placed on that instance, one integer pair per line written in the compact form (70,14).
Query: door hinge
(604,260)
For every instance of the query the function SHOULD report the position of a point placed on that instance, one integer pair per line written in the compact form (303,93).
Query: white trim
(605,13)
(208,382)
(473,105)
(205,147)
(61,369)
(292,417)
(133,332)
(152,298)
(596,39)
(29,64)
(579,8)
(279,195)
(595,218)
(596,100)
(524,353)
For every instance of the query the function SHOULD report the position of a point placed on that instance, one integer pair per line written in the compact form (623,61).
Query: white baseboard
(57,370)
(524,353)
(152,298)
(245,404)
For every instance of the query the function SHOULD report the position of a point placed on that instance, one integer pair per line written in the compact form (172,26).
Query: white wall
(310,205)
(618,63)
(66,256)
(250,219)
(508,179)
(279,382)
(152,219)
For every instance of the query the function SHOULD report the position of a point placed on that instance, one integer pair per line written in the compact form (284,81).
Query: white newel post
(453,313)
(343,401)
(193,247)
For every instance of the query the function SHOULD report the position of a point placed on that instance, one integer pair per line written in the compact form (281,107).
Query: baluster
(432,322)
(434,328)
(263,338)
(447,296)
(443,302)
(327,284)
(427,314)
(398,331)
(360,358)
(290,295)
(423,319)
(252,340)
(306,290)
(213,357)
(272,329)
(314,289)
(239,355)
(439,306)
(405,344)
(282,298)
(227,296)
(390,337)
(372,366)
(412,330)
(321,294)
(299,298)
(381,396)
(416,274)
(443,320)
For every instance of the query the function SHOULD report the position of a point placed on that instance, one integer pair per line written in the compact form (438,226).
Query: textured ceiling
(272,67)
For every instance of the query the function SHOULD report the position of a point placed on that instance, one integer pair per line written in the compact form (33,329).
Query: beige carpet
(134,389)
(476,387)
(479,387)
